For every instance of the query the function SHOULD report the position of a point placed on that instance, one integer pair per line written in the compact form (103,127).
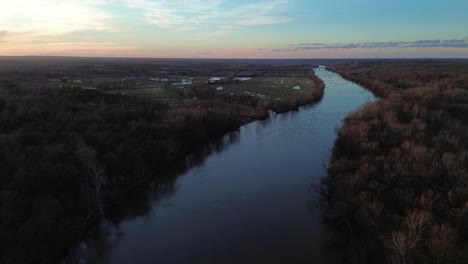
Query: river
(251,200)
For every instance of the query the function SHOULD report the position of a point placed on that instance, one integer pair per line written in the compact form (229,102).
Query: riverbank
(396,185)
(69,154)
(237,202)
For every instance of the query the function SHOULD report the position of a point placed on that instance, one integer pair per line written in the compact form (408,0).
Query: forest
(68,155)
(397,184)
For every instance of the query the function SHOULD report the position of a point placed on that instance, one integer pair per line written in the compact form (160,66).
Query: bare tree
(93,175)
(404,242)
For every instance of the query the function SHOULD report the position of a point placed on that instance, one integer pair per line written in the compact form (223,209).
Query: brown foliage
(407,157)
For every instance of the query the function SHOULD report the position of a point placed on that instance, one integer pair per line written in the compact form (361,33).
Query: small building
(242,79)
(183,82)
(215,80)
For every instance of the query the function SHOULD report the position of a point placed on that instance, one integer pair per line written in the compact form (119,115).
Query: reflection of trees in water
(197,158)
(105,238)
(146,198)
(263,123)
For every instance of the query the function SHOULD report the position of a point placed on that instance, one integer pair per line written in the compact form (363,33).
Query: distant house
(242,79)
(215,80)
(183,82)
(219,89)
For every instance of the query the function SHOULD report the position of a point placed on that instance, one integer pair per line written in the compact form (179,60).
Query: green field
(150,90)
(271,87)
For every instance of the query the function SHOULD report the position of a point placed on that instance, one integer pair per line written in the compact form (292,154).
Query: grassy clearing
(269,88)
(272,87)
(147,91)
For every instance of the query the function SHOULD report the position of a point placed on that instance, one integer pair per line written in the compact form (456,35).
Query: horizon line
(230,58)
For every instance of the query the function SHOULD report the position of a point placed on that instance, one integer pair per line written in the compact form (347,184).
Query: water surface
(248,202)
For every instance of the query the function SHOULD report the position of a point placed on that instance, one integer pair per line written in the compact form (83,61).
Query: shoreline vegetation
(68,154)
(397,184)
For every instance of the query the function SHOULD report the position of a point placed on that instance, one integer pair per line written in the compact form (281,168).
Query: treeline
(397,184)
(383,78)
(66,155)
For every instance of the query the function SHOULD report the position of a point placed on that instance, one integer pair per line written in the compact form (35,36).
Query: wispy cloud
(46,17)
(67,48)
(434,43)
(262,13)
(43,25)
(211,15)
(3,35)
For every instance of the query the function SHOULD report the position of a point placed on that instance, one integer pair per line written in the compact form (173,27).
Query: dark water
(248,202)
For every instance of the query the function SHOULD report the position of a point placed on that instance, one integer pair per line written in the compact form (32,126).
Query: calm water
(248,202)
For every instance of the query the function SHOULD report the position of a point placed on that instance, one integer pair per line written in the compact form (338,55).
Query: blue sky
(235,29)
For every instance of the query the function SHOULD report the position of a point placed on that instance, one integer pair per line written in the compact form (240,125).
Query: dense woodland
(64,155)
(397,185)
(68,155)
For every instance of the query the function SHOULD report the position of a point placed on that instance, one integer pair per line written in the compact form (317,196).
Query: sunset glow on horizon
(235,29)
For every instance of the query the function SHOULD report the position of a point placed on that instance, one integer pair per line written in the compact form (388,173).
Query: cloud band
(435,43)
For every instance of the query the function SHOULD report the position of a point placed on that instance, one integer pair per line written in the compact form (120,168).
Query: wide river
(250,200)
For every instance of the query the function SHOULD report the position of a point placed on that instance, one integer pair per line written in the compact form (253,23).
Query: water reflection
(265,122)
(245,198)
(197,158)
(141,204)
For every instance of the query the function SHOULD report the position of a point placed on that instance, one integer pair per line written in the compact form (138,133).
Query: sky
(235,28)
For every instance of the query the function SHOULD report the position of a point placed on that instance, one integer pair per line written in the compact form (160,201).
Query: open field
(272,87)
(152,92)
(149,90)
(159,78)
